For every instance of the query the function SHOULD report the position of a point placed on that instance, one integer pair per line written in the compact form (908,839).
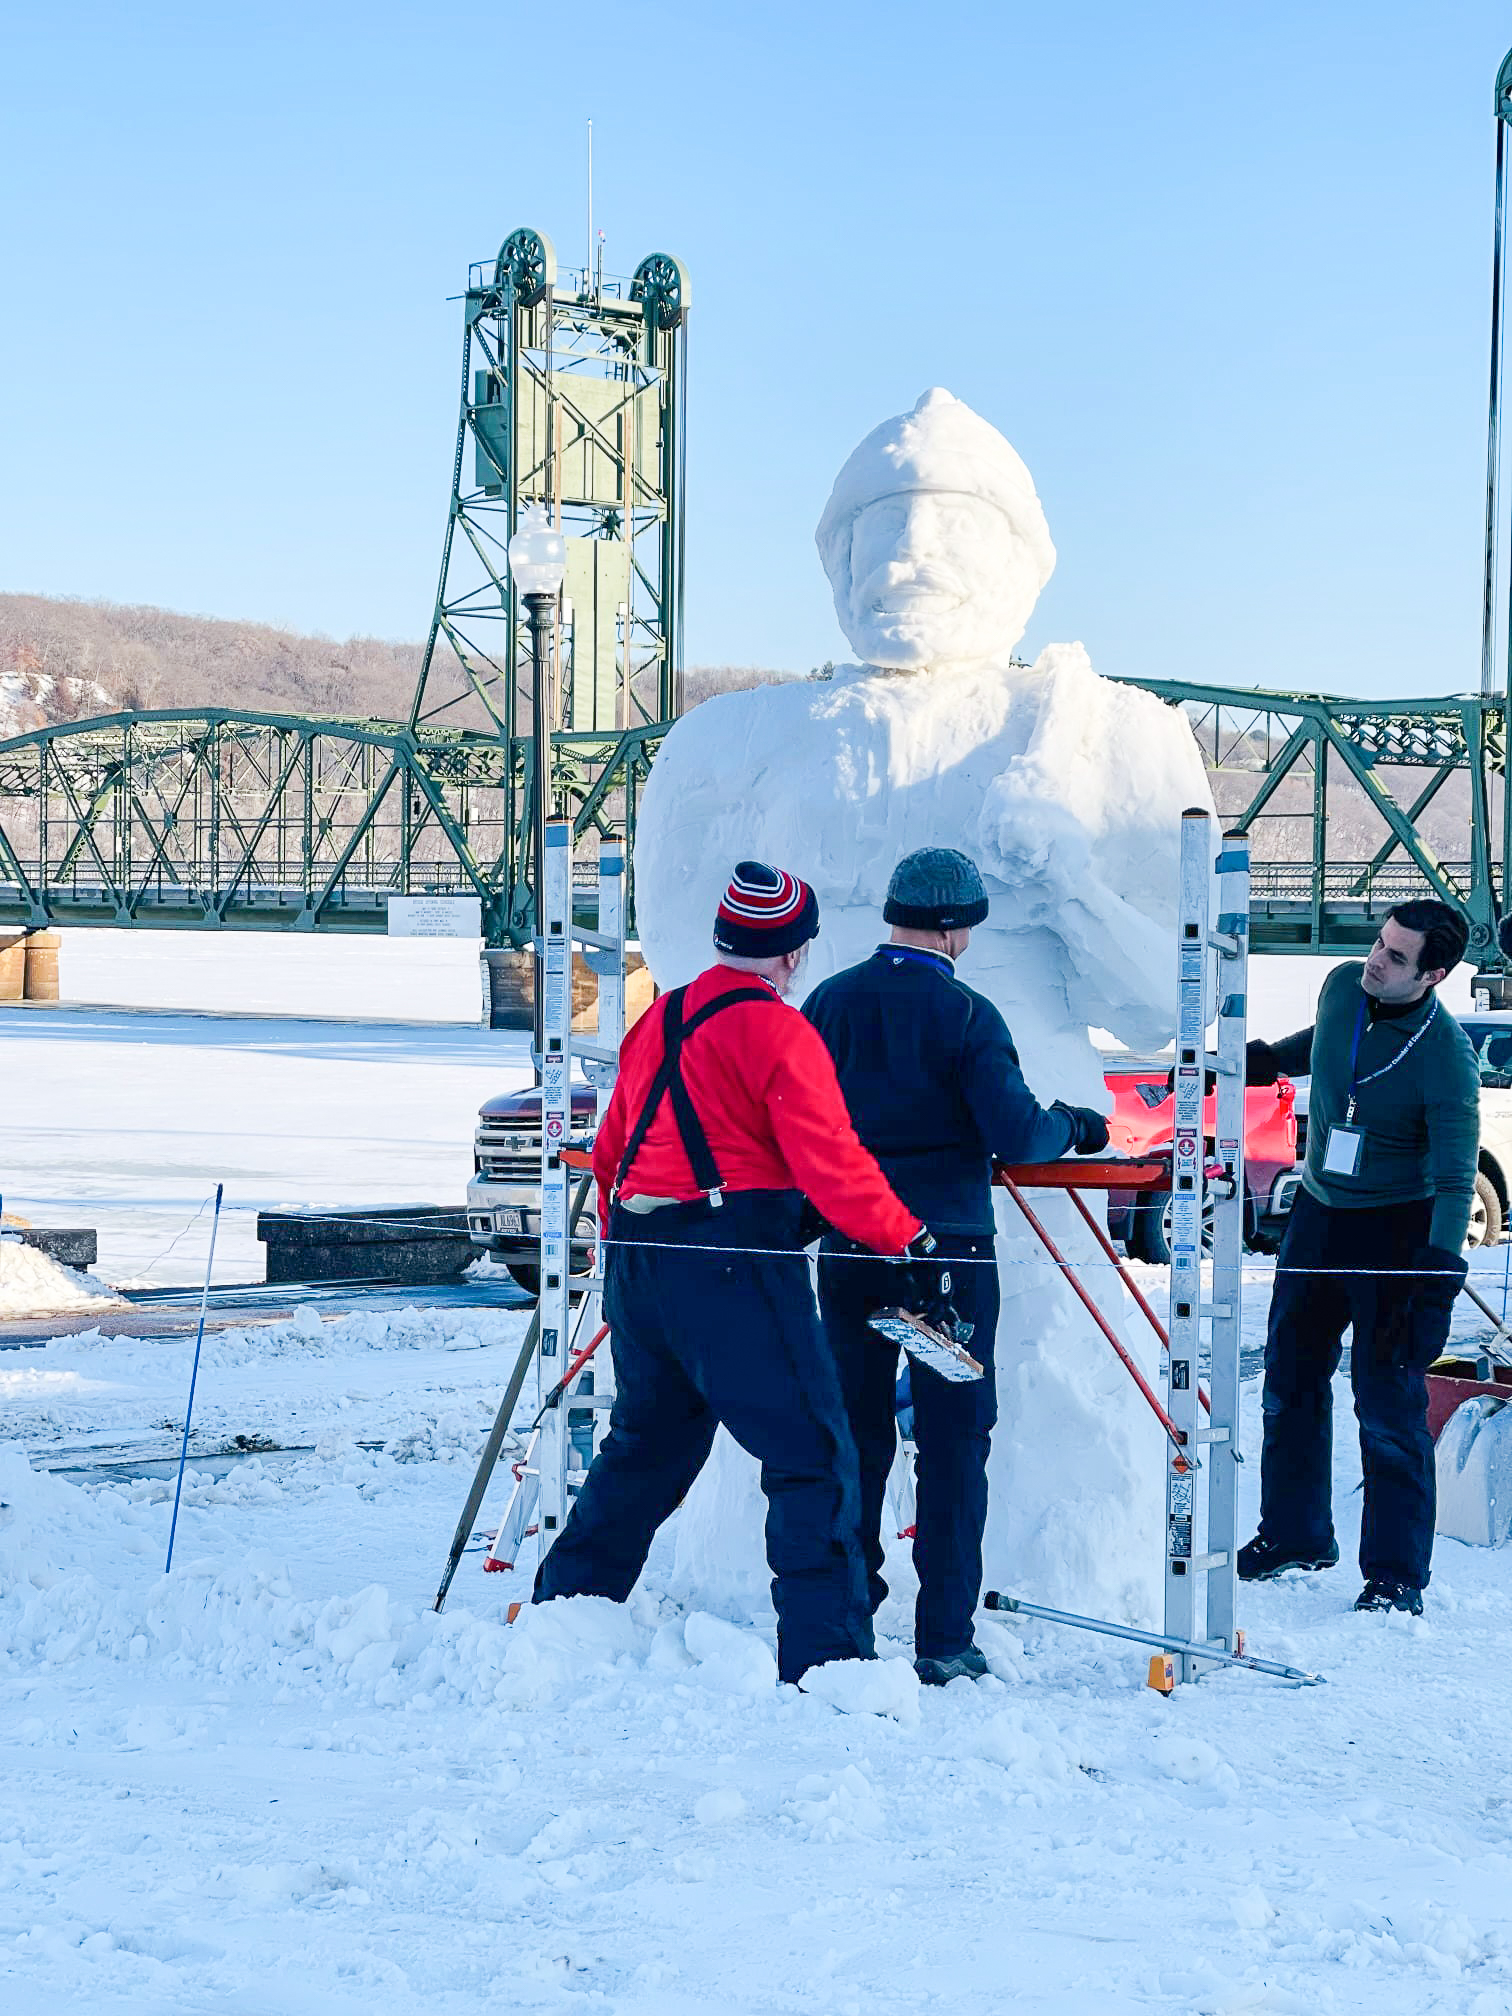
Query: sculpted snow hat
(941,445)
(765,911)
(935,889)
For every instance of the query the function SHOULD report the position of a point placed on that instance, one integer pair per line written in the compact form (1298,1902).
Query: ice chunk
(729,1658)
(887,1687)
(723,1804)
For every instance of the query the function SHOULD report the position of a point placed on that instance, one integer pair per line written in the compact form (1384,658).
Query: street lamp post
(537,563)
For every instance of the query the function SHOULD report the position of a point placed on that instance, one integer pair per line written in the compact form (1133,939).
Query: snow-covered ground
(276,1782)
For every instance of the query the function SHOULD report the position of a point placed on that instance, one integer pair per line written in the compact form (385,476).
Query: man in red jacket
(725,1116)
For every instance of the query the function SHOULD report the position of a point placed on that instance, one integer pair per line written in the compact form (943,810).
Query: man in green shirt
(1373,1245)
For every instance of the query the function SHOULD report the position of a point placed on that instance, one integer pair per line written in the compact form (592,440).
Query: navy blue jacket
(933,1083)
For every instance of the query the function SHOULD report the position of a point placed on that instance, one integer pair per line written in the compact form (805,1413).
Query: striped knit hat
(765,911)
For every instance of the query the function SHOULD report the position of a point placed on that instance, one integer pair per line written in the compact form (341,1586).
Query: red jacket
(764,1088)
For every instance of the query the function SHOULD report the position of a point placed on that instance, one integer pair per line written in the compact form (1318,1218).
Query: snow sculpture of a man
(1067,791)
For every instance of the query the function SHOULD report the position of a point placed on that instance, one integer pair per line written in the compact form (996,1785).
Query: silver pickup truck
(504,1196)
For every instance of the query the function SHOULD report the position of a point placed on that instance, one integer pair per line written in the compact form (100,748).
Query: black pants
(1397,1334)
(953,1426)
(701,1337)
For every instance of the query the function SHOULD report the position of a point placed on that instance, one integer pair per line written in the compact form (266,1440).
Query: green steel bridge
(218,820)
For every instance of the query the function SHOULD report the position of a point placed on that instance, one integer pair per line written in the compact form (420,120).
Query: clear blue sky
(1221,273)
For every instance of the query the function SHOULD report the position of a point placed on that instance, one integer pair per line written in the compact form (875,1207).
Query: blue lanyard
(1356,1082)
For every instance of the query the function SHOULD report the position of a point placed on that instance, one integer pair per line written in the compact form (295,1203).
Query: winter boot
(1260,1560)
(1381,1592)
(968,1665)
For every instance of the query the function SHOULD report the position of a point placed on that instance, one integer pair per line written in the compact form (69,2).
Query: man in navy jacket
(934,1089)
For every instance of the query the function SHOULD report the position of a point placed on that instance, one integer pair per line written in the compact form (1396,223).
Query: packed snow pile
(34,1284)
(81,1576)
(1067,790)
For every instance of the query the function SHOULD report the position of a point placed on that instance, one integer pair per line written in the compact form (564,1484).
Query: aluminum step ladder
(558,1455)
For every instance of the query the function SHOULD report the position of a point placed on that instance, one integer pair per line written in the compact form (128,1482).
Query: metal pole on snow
(1188,1647)
(199,1338)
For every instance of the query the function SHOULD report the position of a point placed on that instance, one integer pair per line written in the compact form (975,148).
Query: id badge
(1342,1150)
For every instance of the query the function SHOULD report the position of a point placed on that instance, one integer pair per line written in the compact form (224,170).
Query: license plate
(509,1221)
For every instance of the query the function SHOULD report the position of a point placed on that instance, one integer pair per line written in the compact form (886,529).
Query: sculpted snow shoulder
(1065,788)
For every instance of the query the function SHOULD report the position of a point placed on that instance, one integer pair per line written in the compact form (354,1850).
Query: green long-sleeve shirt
(1421,1120)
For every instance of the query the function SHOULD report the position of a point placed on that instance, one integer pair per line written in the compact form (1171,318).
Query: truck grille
(509,1154)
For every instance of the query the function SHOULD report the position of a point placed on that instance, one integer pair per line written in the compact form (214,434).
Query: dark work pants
(701,1337)
(952,1427)
(1397,1334)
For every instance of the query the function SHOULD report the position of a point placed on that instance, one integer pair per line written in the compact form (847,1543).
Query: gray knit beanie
(935,889)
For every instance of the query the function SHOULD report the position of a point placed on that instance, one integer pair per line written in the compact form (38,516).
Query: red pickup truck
(1141,1124)
(504,1197)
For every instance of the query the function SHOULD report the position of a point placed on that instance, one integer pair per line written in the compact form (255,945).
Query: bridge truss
(215,820)
(1354,805)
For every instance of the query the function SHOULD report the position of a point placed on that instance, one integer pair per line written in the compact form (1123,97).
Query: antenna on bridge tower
(588,263)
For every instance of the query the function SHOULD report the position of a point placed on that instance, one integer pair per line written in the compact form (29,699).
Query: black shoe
(1260,1560)
(1382,1593)
(968,1665)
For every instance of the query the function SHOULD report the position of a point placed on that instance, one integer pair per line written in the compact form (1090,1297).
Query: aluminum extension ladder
(1202,1457)
(1202,1477)
(568,1430)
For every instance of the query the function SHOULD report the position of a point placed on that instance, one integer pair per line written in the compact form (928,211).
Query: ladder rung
(1223,942)
(1199,1564)
(1212,1434)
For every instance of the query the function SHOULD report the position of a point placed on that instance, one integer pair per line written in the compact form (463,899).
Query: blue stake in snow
(199,1339)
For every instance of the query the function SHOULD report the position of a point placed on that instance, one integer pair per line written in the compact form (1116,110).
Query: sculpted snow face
(934,541)
(1067,791)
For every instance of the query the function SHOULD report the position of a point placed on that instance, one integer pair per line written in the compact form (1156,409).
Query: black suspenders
(668,1082)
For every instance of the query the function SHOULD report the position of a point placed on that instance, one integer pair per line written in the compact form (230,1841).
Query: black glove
(926,1288)
(1260,1066)
(1441,1275)
(1415,1329)
(1091,1135)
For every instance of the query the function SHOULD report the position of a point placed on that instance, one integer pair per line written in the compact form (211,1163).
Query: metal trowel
(945,1355)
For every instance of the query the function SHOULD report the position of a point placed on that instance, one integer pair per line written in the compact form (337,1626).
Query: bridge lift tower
(573,399)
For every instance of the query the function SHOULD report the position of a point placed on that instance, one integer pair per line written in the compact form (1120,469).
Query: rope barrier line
(420,1233)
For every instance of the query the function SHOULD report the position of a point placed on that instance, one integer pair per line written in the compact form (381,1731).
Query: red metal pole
(1100,1235)
(1177,1438)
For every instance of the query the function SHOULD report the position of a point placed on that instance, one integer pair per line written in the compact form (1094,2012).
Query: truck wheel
(528,1278)
(1486,1223)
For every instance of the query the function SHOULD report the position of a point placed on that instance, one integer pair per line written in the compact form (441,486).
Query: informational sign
(435,917)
